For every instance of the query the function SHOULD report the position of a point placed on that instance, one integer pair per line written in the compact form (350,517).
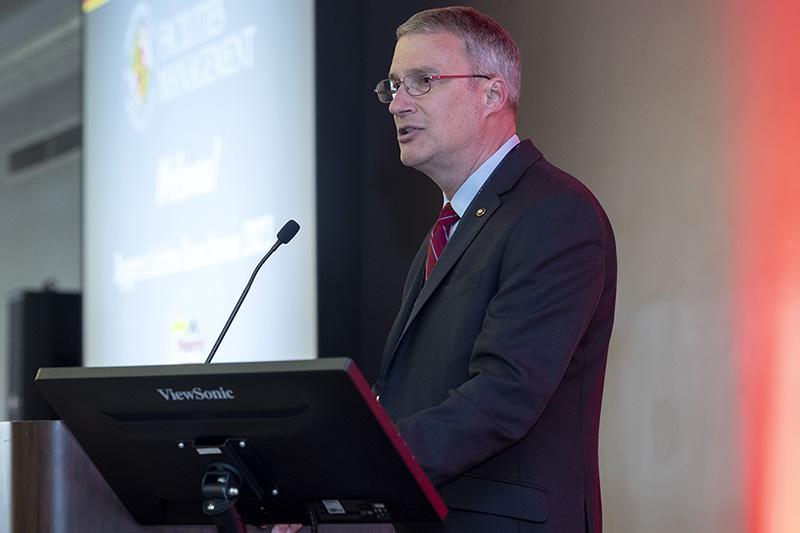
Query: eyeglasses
(416,84)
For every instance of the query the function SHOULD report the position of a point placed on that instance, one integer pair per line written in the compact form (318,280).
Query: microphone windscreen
(288,231)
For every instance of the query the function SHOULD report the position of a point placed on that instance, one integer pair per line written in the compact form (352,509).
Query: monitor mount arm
(220,489)
(237,469)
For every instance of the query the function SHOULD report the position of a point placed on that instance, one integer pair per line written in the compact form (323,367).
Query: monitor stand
(236,469)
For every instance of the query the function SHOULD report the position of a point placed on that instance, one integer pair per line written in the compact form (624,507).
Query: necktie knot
(447,217)
(439,236)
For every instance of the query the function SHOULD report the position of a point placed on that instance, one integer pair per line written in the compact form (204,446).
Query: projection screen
(198,146)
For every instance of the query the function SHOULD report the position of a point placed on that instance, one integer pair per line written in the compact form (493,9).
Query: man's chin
(410,158)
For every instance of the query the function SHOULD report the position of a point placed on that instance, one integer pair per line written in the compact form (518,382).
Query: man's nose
(402,103)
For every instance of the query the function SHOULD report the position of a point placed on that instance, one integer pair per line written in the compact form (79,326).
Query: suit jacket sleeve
(551,279)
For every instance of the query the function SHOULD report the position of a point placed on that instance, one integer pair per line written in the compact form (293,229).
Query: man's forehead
(431,53)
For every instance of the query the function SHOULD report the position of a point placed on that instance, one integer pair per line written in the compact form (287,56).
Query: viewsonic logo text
(196,393)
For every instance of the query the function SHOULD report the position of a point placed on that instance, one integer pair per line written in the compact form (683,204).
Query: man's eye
(423,80)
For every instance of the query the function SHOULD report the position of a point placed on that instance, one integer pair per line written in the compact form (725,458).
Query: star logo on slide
(139,63)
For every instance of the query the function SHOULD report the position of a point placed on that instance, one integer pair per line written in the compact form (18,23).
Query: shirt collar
(474,183)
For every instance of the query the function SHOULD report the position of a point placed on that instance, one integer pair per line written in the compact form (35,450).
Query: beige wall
(629,96)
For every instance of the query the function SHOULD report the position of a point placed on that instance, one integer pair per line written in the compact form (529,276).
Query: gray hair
(487,45)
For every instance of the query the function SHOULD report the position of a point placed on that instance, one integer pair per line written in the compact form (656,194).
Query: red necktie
(440,236)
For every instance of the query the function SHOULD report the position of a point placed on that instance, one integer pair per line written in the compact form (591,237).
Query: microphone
(286,234)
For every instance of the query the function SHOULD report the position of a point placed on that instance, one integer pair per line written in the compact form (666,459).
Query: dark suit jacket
(493,369)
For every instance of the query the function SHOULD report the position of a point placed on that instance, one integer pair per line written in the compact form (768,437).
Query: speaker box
(45,330)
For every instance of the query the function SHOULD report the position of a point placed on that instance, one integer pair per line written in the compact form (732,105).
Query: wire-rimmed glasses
(416,84)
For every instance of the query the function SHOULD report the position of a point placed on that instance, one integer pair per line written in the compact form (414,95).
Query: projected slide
(198,146)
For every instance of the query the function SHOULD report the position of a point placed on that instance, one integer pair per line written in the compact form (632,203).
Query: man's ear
(496,94)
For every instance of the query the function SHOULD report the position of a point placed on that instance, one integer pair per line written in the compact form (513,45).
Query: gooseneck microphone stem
(239,303)
(287,232)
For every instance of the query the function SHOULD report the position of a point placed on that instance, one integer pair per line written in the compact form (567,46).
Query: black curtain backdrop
(372,211)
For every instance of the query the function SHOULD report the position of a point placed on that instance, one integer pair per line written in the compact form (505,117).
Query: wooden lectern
(48,484)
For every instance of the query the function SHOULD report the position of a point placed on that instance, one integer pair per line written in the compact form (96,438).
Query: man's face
(436,131)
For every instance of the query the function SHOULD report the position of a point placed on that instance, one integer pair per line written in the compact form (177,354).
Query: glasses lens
(418,84)
(385,91)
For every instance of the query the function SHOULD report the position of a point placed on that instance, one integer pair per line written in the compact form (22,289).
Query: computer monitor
(300,437)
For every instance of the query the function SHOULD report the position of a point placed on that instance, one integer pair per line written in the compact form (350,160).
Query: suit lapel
(502,179)
(468,228)
(410,292)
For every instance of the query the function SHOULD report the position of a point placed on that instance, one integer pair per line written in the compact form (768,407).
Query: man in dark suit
(493,369)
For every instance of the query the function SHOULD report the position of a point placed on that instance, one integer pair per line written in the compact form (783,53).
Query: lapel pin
(480,212)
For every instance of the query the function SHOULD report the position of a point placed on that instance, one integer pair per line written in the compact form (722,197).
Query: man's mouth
(406,133)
